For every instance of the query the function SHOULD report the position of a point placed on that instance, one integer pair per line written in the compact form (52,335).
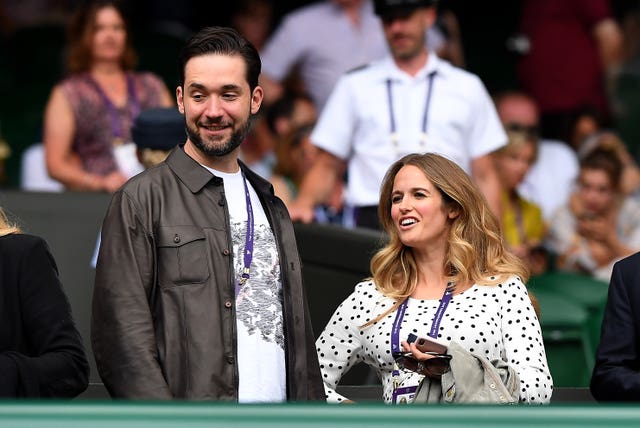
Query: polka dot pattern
(495,321)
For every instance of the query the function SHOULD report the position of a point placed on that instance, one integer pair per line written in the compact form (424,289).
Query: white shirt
(325,43)
(259,317)
(496,321)
(551,179)
(355,125)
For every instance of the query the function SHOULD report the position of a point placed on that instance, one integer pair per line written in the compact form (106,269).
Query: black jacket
(616,375)
(163,322)
(41,352)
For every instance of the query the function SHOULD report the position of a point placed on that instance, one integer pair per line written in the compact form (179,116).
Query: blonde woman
(445,277)
(41,352)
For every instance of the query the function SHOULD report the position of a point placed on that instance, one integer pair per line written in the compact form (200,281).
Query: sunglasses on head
(436,366)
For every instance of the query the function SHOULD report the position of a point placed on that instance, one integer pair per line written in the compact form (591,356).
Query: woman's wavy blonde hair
(476,252)
(7,227)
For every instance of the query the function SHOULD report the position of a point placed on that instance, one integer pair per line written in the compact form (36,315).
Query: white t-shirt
(259,317)
(462,123)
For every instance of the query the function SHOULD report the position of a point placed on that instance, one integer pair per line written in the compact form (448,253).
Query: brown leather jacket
(163,322)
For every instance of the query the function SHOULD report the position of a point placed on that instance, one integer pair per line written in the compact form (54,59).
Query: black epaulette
(358,68)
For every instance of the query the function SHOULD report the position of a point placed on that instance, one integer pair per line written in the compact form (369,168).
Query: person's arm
(316,186)
(57,366)
(122,324)
(484,173)
(523,343)
(616,375)
(609,41)
(339,345)
(62,163)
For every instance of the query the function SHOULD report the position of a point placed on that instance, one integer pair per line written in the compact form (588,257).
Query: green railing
(191,415)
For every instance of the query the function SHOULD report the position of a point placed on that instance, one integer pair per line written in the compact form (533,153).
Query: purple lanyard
(248,246)
(395,336)
(132,100)
(425,115)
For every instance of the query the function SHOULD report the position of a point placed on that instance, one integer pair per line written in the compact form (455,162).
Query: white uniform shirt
(462,123)
(322,40)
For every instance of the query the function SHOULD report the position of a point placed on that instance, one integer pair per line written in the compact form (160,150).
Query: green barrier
(566,338)
(172,414)
(582,289)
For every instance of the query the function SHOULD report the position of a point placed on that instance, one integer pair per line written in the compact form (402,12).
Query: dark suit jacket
(616,375)
(41,352)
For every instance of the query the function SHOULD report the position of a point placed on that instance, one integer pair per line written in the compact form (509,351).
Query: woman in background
(88,117)
(601,224)
(41,352)
(522,221)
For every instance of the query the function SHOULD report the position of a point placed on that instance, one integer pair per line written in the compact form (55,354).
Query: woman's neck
(106,69)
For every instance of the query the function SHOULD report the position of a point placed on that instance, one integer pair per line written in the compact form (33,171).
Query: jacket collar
(195,176)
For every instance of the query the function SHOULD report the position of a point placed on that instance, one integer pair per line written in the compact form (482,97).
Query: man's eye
(230,96)
(197,97)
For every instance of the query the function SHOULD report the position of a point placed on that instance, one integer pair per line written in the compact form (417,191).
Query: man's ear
(180,99)
(256,99)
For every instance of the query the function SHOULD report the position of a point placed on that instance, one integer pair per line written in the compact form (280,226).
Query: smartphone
(428,344)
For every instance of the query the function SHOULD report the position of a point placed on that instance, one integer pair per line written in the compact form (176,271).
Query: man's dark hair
(222,41)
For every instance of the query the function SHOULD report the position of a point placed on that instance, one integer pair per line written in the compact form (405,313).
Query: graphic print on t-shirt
(259,303)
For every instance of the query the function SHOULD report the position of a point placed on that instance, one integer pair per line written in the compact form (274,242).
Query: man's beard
(236,138)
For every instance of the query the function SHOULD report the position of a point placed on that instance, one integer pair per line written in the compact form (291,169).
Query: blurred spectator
(583,123)
(522,223)
(292,118)
(549,182)
(41,351)
(87,121)
(411,101)
(330,37)
(572,48)
(253,20)
(630,176)
(600,225)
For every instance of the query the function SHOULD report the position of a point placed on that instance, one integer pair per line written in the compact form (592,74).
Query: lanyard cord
(425,116)
(248,247)
(395,336)
(132,100)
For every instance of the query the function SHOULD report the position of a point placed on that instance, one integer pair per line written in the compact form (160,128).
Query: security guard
(411,101)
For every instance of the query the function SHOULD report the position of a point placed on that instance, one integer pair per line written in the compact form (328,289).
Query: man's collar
(190,172)
(433,65)
(195,176)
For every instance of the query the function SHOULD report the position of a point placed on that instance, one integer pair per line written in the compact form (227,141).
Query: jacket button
(221,202)
(492,385)
(227,304)
(226,252)
(230,359)
(176,239)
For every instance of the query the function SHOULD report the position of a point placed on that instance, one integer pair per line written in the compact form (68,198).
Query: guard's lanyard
(132,100)
(395,338)
(248,246)
(425,116)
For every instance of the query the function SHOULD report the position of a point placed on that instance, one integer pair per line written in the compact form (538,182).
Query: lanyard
(132,99)
(248,246)
(395,336)
(425,116)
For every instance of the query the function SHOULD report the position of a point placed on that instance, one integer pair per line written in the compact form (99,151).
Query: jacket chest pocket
(182,255)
